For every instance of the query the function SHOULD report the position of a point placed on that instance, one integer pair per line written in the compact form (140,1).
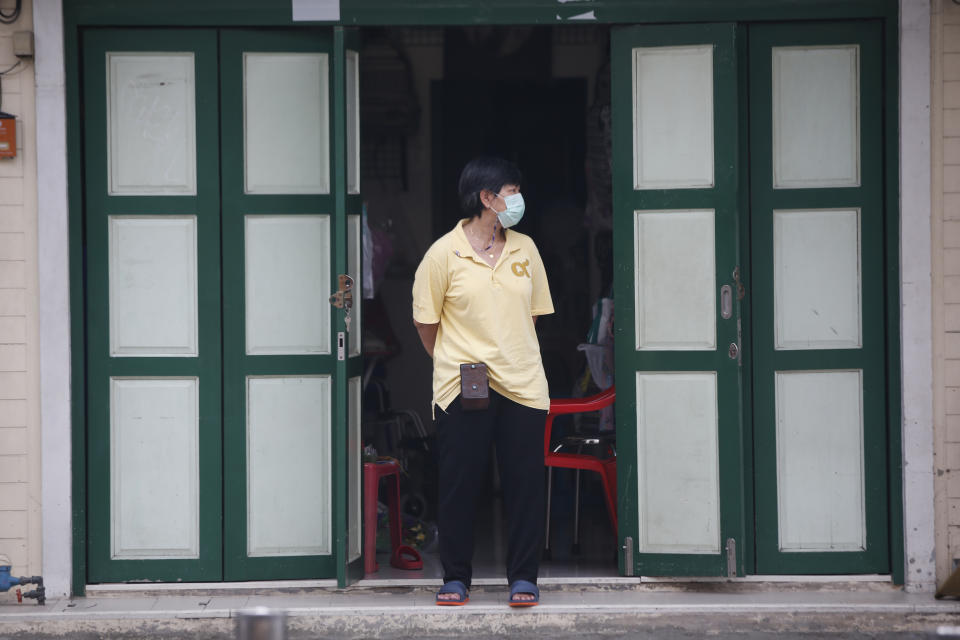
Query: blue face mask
(514,211)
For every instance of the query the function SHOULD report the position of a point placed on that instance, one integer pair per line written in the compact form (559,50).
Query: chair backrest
(561,406)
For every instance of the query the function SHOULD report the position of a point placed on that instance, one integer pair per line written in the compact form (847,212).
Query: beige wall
(19,375)
(945,223)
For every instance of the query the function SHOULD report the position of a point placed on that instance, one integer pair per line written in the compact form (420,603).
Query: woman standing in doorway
(476,297)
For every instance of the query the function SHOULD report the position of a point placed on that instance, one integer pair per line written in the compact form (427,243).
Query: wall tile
(951,67)
(951,206)
(13,495)
(953,482)
(13,385)
(13,330)
(952,345)
(952,454)
(951,262)
(952,459)
(13,274)
(951,373)
(16,550)
(951,95)
(951,317)
(951,289)
(13,83)
(953,429)
(13,440)
(13,468)
(951,38)
(11,218)
(951,123)
(951,178)
(951,396)
(13,167)
(951,148)
(13,524)
(953,543)
(13,302)
(13,246)
(13,357)
(13,413)
(11,189)
(951,234)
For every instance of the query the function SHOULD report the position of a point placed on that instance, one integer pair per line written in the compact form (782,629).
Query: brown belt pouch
(474,390)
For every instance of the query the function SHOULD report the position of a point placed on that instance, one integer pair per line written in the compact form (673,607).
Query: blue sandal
(524,586)
(457,587)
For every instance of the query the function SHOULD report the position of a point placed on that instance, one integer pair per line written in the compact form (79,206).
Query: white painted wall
(53,297)
(915,294)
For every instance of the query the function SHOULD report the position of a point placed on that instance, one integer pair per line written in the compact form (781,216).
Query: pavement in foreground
(567,611)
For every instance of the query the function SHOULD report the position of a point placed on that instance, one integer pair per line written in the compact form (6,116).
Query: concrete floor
(582,597)
(740,609)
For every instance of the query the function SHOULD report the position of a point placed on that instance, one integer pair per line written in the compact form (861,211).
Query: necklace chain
(493,238)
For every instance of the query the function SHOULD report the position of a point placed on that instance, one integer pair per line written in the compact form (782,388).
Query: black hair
(485,173)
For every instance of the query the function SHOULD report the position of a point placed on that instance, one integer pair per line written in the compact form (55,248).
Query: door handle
(726,302)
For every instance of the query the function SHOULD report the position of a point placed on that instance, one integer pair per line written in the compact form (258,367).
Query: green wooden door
(675,182)
(758,424)
(348,208)
(817,298)
(222,205)
(152,233)
(291,225)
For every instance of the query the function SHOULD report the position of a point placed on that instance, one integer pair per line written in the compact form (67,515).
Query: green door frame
(83,14)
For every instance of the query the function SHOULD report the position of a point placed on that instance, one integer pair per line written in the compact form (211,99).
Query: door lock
(734,351)
(342,298)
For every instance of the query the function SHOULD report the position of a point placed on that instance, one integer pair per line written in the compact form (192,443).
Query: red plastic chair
(606,467)
(401,556)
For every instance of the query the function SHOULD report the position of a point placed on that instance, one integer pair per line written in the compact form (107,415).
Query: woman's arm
(428,335)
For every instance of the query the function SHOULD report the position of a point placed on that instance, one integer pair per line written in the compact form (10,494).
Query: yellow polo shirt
(485,315)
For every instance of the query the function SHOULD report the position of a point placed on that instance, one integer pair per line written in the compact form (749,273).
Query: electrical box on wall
(23,44)
(8,135)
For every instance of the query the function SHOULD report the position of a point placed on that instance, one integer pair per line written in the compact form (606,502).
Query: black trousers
(464,439)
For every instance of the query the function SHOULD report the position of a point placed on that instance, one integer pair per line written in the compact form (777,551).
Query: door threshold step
(588,581)
(563,614)
(746,583)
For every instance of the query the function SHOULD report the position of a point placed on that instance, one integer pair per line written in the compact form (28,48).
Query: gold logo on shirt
(520,268)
